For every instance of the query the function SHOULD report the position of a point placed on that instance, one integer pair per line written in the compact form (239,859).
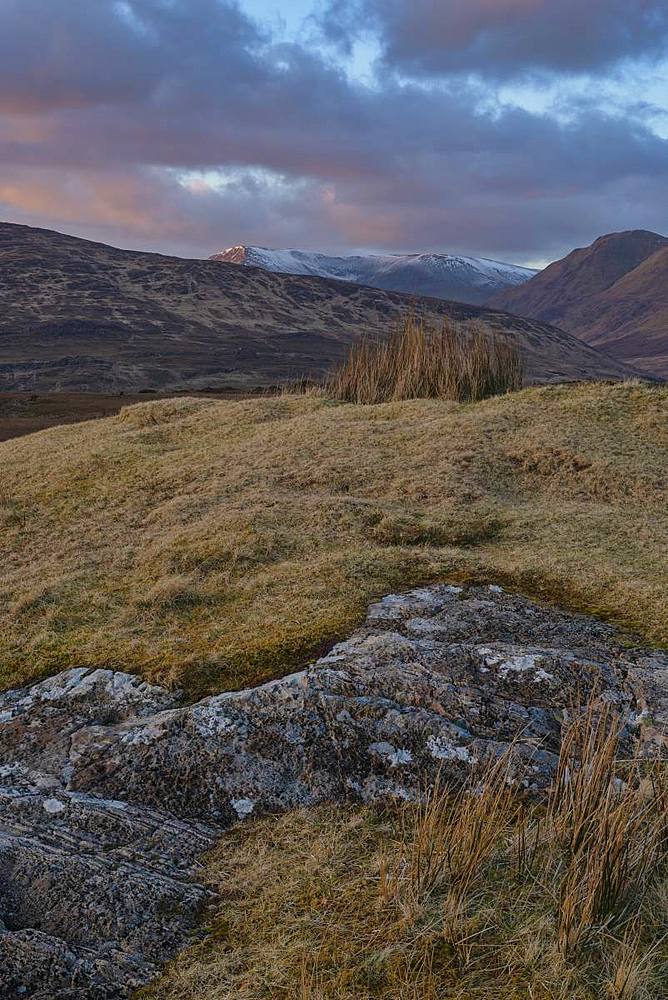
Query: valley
(27,412)
(333,500)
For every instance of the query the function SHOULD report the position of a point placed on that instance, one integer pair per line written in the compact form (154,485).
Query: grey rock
(111,789)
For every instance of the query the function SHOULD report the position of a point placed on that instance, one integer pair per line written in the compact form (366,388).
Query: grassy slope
(470,894)
(324,904)
(214,544)
(27,412)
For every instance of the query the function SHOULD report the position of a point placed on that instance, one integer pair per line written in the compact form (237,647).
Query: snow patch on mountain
(446,276)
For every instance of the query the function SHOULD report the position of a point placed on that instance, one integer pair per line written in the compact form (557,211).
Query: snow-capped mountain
(445,276)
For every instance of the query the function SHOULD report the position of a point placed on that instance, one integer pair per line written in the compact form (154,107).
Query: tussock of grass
(472,894)
(416,362)
(217,543)
(611,831)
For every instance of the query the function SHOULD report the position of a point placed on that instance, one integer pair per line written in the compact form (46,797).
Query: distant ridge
(613,294)
(76,315)
(443,276)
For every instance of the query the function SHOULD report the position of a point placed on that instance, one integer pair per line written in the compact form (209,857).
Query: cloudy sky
(515,129)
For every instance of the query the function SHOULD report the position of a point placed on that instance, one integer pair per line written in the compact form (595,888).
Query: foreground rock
(110,790)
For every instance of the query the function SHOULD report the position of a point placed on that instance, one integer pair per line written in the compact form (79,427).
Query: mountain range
(612,294)
(444,276)
(79,315)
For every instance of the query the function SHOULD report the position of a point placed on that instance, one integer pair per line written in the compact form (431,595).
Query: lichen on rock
(111,788)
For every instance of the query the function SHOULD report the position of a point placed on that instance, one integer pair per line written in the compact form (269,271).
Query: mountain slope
(444,276)
(81,315)
(611,294)
(630,319)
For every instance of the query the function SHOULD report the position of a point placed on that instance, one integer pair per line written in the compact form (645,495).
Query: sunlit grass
(213,543)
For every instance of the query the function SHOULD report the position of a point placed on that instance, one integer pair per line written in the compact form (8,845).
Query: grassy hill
(334,904)
(210,544)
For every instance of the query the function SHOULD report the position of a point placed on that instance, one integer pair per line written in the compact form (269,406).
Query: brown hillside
(76,315)
(630,320)
(611,294)
(215,544)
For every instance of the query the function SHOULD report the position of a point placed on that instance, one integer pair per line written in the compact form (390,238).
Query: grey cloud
(171,89)
(503,38)
(73,53)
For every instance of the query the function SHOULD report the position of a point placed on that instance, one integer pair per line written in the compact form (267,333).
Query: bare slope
(613,294)
(630,320)
(76,315)
(216,544)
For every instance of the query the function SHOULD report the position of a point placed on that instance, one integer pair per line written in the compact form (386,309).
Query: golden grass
(465,364)
(465,896)
(217,543)
(611,832)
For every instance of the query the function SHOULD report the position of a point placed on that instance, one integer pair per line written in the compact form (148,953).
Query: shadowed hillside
(76,315)
(613,294)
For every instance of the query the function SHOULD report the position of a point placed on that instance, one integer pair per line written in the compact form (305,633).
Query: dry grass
(464,363)
(610,832)
(466,896)
(217,543)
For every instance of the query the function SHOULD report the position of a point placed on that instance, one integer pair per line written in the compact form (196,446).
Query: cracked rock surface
(111,789)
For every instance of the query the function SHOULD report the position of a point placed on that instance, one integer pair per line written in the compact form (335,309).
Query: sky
(514,129)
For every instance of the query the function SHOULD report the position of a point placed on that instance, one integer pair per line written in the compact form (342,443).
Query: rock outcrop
(111,789)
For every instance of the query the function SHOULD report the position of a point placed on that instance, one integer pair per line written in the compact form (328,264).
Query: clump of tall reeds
(462,363)
(610,831)
(590,854)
